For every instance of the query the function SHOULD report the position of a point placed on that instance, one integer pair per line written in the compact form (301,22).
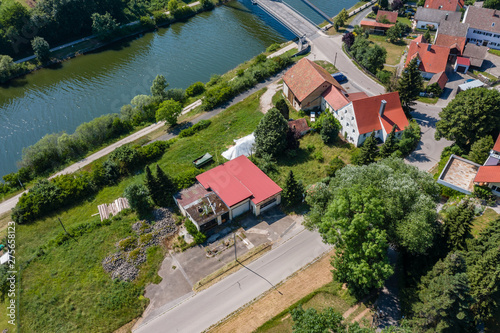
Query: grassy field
(394,51)
(330,295)
(483,221)
(405,20)
(428,100)
(487,75)
(81,296)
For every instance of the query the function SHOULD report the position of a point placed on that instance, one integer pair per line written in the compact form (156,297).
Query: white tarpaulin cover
(243,146)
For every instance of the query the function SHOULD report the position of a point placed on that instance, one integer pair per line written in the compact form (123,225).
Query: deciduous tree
(330,129)
(169,111)
(104,25)
(41,49)
(480,150)
(348,39)
(158,87)
(471,115)
(138,198)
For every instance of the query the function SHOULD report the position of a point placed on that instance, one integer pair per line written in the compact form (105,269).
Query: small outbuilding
(470,85)
(461,65)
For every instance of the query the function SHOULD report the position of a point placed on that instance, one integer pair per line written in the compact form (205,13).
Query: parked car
(339,77)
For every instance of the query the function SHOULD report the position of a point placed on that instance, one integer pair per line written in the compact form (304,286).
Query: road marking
(176,262)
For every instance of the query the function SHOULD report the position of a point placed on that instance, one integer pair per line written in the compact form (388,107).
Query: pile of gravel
(124,265)
(119,267)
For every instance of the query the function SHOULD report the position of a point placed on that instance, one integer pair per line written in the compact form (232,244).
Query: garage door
(241,209)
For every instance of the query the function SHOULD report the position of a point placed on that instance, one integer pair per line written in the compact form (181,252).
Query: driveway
(428,151)
(180,271)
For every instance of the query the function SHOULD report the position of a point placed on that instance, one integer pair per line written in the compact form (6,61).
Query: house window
(273,200)
(353,130)
(493,24)
(495,188)
(347,124)
(352,118)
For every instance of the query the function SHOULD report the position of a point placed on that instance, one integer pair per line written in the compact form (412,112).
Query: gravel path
(266,100)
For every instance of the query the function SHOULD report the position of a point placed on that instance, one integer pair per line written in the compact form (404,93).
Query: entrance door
(485,43)
(241,209)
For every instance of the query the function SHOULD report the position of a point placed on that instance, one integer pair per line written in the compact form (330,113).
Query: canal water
(60,99)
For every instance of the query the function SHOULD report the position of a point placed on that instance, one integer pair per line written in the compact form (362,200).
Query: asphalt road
(208,307)
(428,151)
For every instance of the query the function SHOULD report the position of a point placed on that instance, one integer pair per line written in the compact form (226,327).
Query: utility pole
(62,225)
(235,257)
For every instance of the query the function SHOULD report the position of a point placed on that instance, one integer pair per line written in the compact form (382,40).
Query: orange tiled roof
(390,16)
(496,147)
(366,23)
(450,5)
(433,58)
(305,77)
(451,41)
(367,109)
(335,98)
(488,174)
(440,78)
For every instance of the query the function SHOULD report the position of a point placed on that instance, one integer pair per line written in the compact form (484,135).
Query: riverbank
(92,43)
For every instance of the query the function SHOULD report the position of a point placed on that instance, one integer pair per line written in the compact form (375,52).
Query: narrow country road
(215,303)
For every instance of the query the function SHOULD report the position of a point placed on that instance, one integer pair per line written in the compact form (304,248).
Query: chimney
(382,107)
(446,17)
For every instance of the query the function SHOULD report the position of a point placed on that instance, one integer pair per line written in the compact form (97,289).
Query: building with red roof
(440,78)
(227,191)
(489,173)
(374,26)
(304,83)
(451,5)
(432,59)
(462,65)
(390,16)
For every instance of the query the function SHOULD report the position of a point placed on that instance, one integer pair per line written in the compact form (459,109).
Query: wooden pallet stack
(113,208)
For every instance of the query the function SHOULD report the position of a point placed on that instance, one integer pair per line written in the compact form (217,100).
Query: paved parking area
(180,271)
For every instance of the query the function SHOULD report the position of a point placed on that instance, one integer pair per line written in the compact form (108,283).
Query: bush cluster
(46,196)
(195,128)
(198,236)
(220,91)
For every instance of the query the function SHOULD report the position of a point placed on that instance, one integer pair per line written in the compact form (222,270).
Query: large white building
(484,26)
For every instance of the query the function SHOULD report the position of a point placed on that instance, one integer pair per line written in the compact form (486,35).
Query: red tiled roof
(488,174)
(356,95)
(450,5)
(305,77)
(366,23)
(451,41)
(496,147)
(237,180)
(463,61)
(440,78)
(300,125)
(433,58)
(335,98)
(389,15)
(419,39)
(367,109)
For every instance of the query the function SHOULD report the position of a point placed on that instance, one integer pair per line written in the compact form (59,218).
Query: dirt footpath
(266,100)
(272,303)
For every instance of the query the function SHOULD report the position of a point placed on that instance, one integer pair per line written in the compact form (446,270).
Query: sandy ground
(272,303)
(266,100)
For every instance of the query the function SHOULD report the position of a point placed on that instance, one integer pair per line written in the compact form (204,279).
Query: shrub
(273,47)
(384,76)
(153,150)
(147,22)
(195,89)
(198,236)
(195,128)
(318,155)
(187,178)
(177,94)
(127,243)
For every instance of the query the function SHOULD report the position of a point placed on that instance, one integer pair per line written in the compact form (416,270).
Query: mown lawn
(394,51)
(481,222)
